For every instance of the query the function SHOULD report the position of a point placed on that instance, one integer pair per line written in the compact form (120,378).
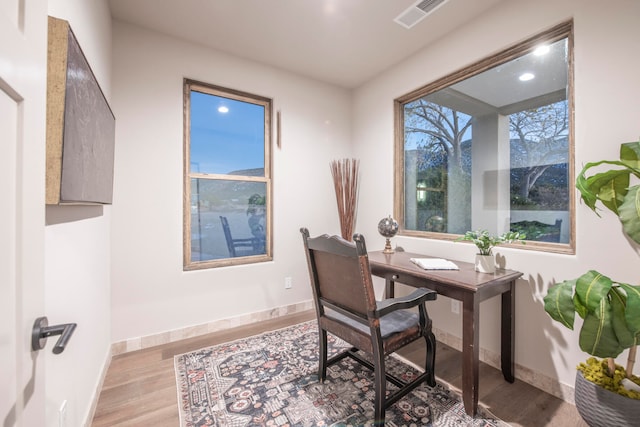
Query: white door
(23,56)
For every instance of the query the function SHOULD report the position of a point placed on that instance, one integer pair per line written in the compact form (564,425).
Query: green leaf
(632,309)
(597,336)
(625,337)
(609,187)
(559,303)
(591,288)
(590,187)
(512,236)
(630,154)
(482,239)
(581,309)
(586,193)
(629,214)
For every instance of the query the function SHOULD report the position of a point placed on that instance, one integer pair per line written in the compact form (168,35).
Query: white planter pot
(485,263)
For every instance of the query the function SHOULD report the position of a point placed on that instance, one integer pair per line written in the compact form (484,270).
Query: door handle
(41,331)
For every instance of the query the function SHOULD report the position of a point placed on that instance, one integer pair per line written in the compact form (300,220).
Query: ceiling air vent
(417,12)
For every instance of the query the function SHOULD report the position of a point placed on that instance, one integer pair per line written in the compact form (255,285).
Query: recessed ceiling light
(526,77)
(223,109)
(541,50)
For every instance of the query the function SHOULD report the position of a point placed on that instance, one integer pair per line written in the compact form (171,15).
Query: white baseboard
(148,341)
(96,393)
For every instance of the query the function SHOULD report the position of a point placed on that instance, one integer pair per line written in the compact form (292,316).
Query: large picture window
(227,182)
(491,147)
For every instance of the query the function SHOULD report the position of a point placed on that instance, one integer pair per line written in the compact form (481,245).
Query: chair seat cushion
(392,323)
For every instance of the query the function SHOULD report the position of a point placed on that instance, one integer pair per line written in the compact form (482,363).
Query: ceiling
(342,42)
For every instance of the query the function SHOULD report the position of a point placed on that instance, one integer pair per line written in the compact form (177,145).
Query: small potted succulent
(485,243)
(610,309)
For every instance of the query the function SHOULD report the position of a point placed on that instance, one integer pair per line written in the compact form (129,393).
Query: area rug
(271,380)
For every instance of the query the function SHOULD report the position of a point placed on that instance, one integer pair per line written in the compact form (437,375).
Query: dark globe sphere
(388,227)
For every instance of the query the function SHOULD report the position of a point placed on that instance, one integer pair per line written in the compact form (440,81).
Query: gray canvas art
(89,135)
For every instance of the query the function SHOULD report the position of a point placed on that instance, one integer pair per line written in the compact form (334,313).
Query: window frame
(561,31)
(190,85)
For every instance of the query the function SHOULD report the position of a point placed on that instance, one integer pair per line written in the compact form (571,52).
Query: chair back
(340,274)
(227,236)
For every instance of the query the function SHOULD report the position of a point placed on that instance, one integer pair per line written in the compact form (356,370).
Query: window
(227,177)
(490,147)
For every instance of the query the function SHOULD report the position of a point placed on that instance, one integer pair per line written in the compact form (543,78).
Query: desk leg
(508,334)
(470,354)
(389,288)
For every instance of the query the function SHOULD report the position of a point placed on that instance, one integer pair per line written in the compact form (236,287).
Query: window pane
(491,150)
(241,204)
(227,136)
(227,177)
(539,180)
(439,162)
(437,167)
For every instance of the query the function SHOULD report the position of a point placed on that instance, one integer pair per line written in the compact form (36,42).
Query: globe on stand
(388,227)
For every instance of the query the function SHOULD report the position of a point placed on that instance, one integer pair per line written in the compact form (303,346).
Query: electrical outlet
(455,306)
(287,283)
(62,414)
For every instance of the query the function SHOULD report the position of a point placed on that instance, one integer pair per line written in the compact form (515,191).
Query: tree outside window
(438,144)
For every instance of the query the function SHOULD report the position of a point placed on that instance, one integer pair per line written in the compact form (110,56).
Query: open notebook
(434,263)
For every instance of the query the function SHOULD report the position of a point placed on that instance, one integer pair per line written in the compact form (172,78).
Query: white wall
(606,114)
(151,293)
(78,241)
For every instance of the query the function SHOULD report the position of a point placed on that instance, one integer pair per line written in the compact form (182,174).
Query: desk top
(465,278)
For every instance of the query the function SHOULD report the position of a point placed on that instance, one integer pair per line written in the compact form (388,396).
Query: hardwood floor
(140,389)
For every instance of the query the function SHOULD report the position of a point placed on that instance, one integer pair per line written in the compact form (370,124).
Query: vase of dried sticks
(345,182)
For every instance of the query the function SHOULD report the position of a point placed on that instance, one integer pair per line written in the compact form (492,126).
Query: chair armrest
(415,298)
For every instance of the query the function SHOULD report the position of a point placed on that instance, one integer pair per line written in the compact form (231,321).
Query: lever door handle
(41,331)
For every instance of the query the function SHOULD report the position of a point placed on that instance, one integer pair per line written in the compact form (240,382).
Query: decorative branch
(345,182)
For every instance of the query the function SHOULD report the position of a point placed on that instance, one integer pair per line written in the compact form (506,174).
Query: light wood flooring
(140,389)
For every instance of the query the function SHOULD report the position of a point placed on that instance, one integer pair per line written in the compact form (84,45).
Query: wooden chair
(237,247)
(346,307)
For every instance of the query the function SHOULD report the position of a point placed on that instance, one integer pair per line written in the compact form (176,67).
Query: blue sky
(225,142)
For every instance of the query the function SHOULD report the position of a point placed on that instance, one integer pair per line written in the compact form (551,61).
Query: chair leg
(380,388)
(431,358)
(322,362)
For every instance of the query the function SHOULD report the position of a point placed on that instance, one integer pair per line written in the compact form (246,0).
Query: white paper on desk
(434,263)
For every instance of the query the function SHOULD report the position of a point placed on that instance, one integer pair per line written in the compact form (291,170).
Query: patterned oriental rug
(271,380)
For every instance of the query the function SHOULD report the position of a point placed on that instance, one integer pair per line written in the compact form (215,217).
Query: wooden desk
(471,288)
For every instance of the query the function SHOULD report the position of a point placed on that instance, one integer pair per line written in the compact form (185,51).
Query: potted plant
(485,243)
(610,309)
